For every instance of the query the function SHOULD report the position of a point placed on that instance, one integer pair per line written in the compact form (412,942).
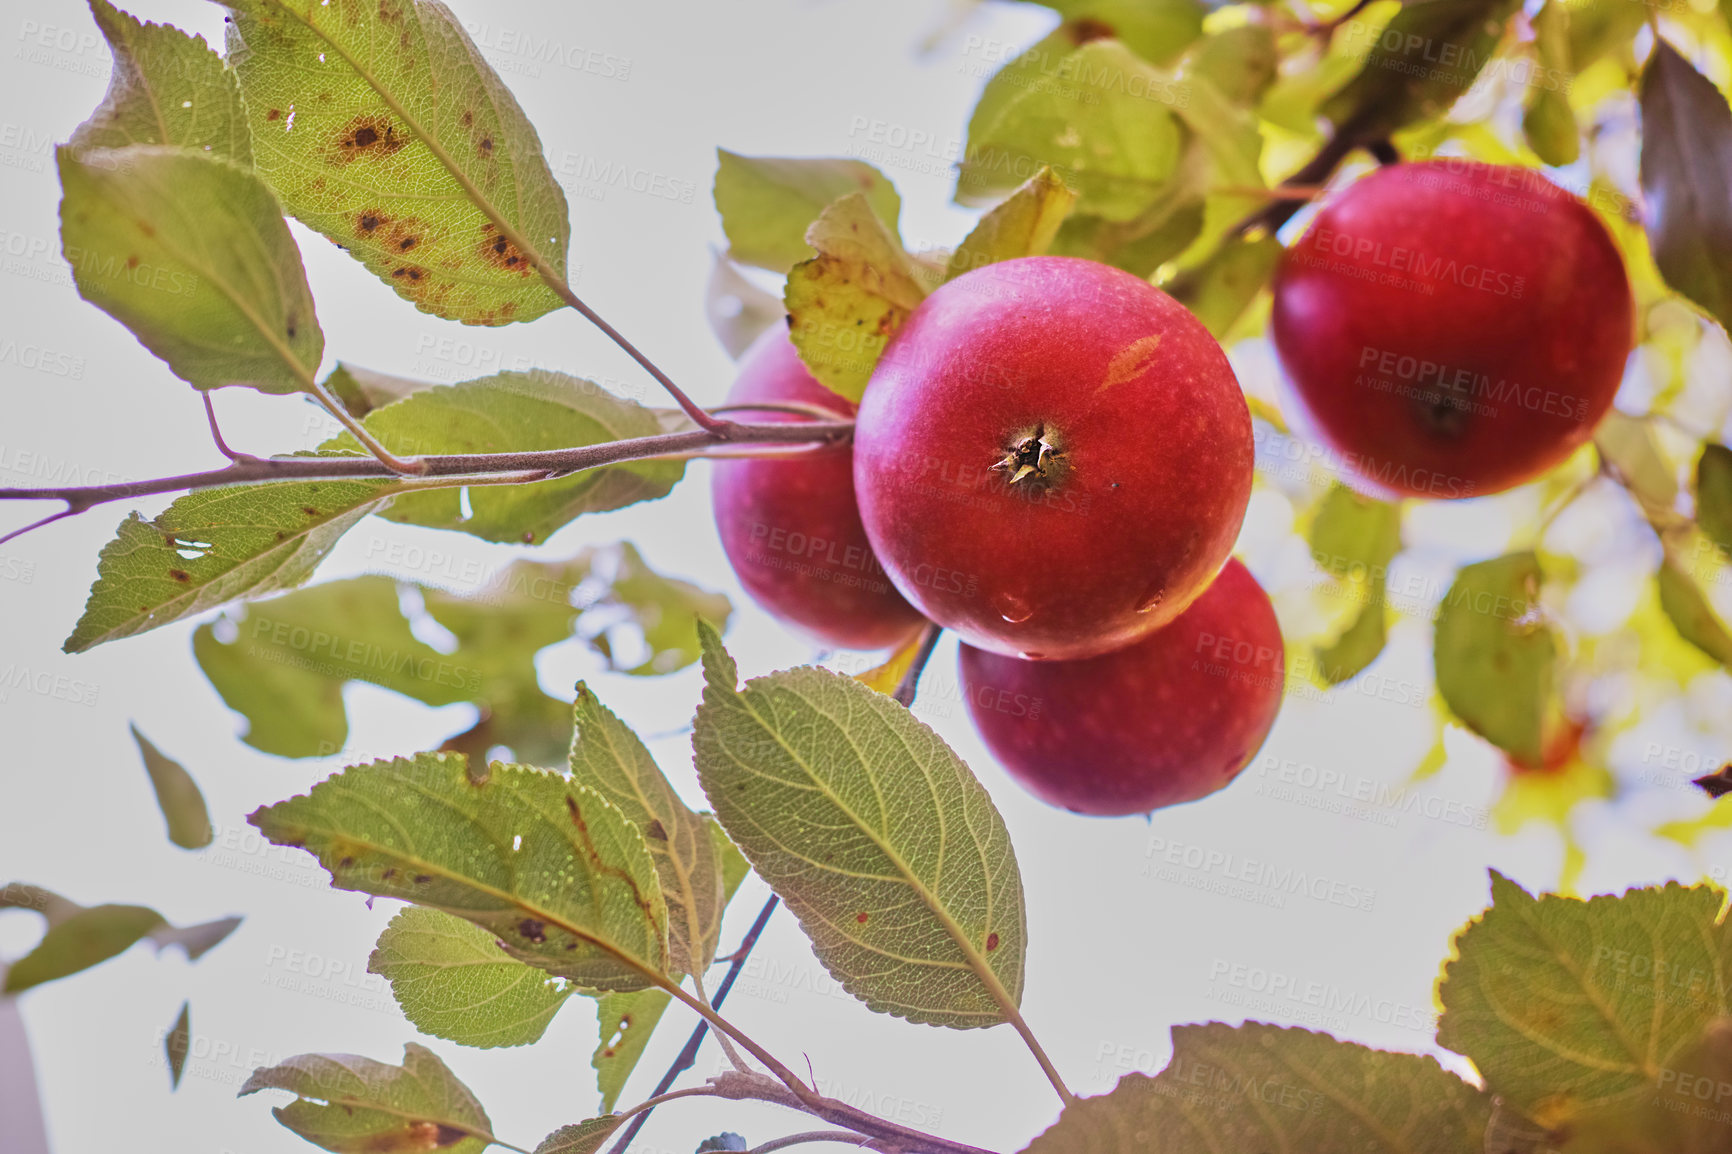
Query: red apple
(1169,719)
(1052,458)
(1453,328)
(791,528)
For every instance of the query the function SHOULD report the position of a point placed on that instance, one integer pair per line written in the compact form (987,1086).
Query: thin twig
(910,683)
(842,1136)
(69,511)
(359,431)
(551,462)
(688,1054)
(722,1040)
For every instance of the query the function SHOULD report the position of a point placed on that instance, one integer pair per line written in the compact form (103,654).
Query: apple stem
(910,683)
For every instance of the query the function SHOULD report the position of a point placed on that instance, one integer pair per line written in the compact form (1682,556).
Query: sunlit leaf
(517,412)
(1684,604)
(1257,1087)
(177,795)
(546,865)
(190,252)
(176,1043)
(354,1105)
(1405,77)
(1549,123)
(166,88)
(1568,1007)
(381,125)
(1495,654)
(1714,495)
(1157,30)
(1024,225)
(626,1021)
(1687,179)
(454,982)
(768,202)
(874,833)
(581,1138)
(609,758)
(665,610)
(1240,62)
(1354,538)
(845,303)
(1107,128)
(215,545)
(1628,444)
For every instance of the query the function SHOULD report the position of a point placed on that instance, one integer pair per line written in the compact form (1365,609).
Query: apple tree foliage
(1171,138)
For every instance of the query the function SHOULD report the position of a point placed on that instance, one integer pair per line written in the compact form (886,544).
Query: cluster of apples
(1053,459)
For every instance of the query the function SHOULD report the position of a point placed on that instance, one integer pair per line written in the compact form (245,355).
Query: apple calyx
(1033,460)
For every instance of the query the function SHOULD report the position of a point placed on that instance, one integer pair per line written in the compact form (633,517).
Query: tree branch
(542,464)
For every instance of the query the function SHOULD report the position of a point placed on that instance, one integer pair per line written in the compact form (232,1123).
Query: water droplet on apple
(1012,608)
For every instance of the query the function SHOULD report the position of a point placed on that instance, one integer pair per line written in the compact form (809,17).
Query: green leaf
(1354,538)
(1257,1087)
(738,310)
(546,865)
(1569,1006)
(1138,246)
(518,412)
(1687,180)
(166,88)
(1549,124)
(581,1138)
(1404,77)
(1600,28)
(1219,290)
(1240,62)
(1629,445)
(215,545)
(79,941)
(354,1105)
(177,795)
(176,1044)
(1024,225)
(665,609)
(735,868)
(191,253)
(608,757)
(1106,128)
(194,941)
(876,835)
(768,202)
(287,661)
(382,126)
(1685,607)
(363,390)
(1495,655)
(845,303)
(627,1021)
(1714,495)
(454,982)
(1157,30)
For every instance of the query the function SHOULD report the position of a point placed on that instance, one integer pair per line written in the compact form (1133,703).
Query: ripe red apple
(1453,328)
(1169,719)
(790,527)
(1052,457)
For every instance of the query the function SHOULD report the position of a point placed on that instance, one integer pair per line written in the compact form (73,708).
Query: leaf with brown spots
(394,137)
(454,982)
(215,545)
(1580,1013)
(166,88)
(627,1021)
(353,1105)
(549,867)
(846,303)
(192,254)
(875,833)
